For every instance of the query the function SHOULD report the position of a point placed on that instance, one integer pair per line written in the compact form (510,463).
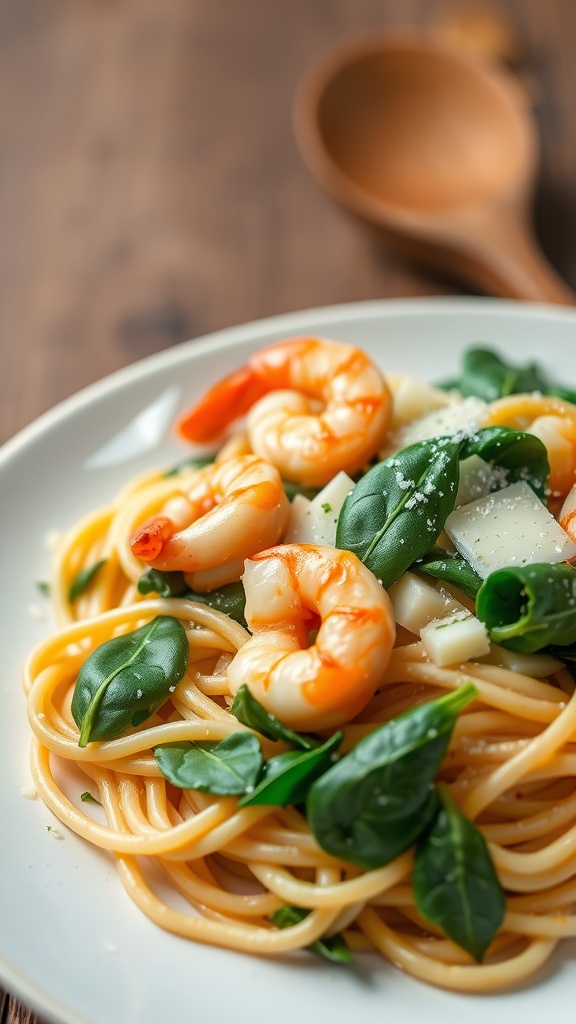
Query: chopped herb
(87,798)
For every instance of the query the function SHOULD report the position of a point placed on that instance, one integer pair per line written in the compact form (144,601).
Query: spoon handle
(504,259)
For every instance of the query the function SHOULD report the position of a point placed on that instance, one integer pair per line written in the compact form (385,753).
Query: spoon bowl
(437,152)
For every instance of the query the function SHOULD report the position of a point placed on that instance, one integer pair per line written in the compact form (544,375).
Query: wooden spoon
(435,150)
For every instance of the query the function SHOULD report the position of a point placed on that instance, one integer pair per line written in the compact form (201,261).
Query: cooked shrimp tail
(231,398)
(149,540)
(230,511)
(314,407)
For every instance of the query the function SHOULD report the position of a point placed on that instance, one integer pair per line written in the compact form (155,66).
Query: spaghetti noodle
(510,767)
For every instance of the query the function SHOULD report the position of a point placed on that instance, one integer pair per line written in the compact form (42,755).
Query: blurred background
(151,190)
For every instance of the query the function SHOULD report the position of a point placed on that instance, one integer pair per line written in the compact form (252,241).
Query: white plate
(71,942)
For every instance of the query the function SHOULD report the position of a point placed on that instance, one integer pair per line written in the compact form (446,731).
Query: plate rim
(16,983)
(225,336)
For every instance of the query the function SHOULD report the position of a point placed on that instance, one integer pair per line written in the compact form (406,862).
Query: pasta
(271,877)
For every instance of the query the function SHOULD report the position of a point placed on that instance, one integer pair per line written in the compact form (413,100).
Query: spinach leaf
(83,579)
(332,947)
(396,511)
(565,394)
(228,599)
(451,567)
(252,713)
(287,777)
(226,768)
(522,455)
(166,584)
(375,802)
(484,374)
(127,679)
(454,880)
(529,607)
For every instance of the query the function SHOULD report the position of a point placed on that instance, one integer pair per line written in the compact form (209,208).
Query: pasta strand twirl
(321,623)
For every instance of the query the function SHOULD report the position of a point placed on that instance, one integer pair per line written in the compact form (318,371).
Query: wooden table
(151,191)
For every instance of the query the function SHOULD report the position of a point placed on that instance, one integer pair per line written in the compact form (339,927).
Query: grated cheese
(416,603)
(462,415)
(508,528)
(315,521)
(455,639)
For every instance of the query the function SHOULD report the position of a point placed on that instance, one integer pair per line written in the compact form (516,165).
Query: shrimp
(231,510)
(553,421)
(314,407)
(292,591)
(567,517)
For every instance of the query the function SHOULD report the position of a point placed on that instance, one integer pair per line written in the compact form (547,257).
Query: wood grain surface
(151,190)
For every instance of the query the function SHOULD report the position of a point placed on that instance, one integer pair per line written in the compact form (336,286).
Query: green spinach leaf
(287,777)
(484,374)
(395,513)
(375,802)
(397,509)
(166,584)
(451,567)
(521,455)
(565,394)
(331,947)
(252,713)
(83,579)
(226,768)
(529,607)
(127,679)
(228,599)
(454,880)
